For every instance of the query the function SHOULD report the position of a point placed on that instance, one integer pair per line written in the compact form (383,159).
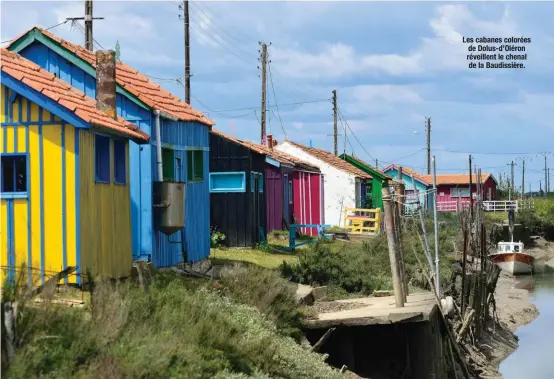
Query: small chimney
(105,82)
(270,141)
(400,178)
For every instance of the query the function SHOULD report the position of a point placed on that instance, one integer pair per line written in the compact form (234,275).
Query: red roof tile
(332,160)
(279,156)
(408,171)
(139,85)
(457,178)
(75,101)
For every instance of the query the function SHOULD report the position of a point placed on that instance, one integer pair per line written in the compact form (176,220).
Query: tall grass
(365,267)
(172,331)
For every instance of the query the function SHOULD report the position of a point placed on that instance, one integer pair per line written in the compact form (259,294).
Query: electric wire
(49,28)
(275,100)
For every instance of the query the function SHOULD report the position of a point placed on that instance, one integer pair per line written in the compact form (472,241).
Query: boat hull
(514,263)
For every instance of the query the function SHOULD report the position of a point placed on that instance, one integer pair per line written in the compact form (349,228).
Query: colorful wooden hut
(374,189)
(293,189)
(238,207)
(344,184)
(183,138)
(65,197)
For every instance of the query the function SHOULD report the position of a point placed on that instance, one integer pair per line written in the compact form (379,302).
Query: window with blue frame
(120,157)
(261,183)
(222,182)
(102,159)
(14,173)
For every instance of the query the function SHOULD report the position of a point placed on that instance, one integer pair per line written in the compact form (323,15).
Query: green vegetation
(178,329)
(540,221)
(216,237)
(260,257)
(351,268)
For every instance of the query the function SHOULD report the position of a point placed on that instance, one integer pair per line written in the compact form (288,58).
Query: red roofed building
(64,174)
(344,185)
(184,143)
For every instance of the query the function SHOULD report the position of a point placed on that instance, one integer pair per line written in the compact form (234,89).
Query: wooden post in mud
(396,206)
(391,239)
(464,272)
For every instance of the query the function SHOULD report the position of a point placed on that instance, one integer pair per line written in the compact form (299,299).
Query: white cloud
(387,92)
(444,51)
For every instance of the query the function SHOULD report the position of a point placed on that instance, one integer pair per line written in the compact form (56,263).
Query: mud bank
(514,309)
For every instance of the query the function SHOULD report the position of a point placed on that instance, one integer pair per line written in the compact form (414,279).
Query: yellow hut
(65,197)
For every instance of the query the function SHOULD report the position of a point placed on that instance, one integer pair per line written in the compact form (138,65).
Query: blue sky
(392,63)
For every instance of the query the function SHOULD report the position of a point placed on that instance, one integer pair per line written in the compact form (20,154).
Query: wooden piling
(391,239)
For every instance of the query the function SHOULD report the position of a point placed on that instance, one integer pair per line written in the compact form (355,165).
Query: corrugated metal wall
(38,227)
(181,137)
(274,191)
(105,223)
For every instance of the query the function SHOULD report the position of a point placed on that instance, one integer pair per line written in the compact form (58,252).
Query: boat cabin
(510,247)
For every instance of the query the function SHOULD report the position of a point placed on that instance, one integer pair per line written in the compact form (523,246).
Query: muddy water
(534,359)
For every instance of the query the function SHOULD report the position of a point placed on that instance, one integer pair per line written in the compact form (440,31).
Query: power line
(77,24)
(270,106)
(222,29)
(484,153)
(275,99)
(218,42)
(51,27)
(215,14)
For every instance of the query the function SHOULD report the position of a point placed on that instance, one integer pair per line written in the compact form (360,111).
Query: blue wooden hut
(415,189)
(183,133)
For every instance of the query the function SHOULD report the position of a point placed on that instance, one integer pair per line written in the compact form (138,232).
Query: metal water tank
(169,206)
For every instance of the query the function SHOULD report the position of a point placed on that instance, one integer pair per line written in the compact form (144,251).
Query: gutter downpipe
(158,145)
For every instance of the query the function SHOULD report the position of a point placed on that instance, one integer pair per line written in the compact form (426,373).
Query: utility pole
(428,145)
(88,25)
(376,163)
(523,178)
(512,179)
(335,129)
(437,278)
(470,191)
(263,60)
(187,50)
(88,19)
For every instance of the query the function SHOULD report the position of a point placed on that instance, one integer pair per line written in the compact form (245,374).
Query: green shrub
(266,290)
(365,267)
(168,332)
(216,237)
(353,268)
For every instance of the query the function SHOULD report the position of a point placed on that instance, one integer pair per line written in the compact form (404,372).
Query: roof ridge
(332,160)
(52,87)
(179,108)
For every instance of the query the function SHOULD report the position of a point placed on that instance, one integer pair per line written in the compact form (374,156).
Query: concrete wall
(339,186)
